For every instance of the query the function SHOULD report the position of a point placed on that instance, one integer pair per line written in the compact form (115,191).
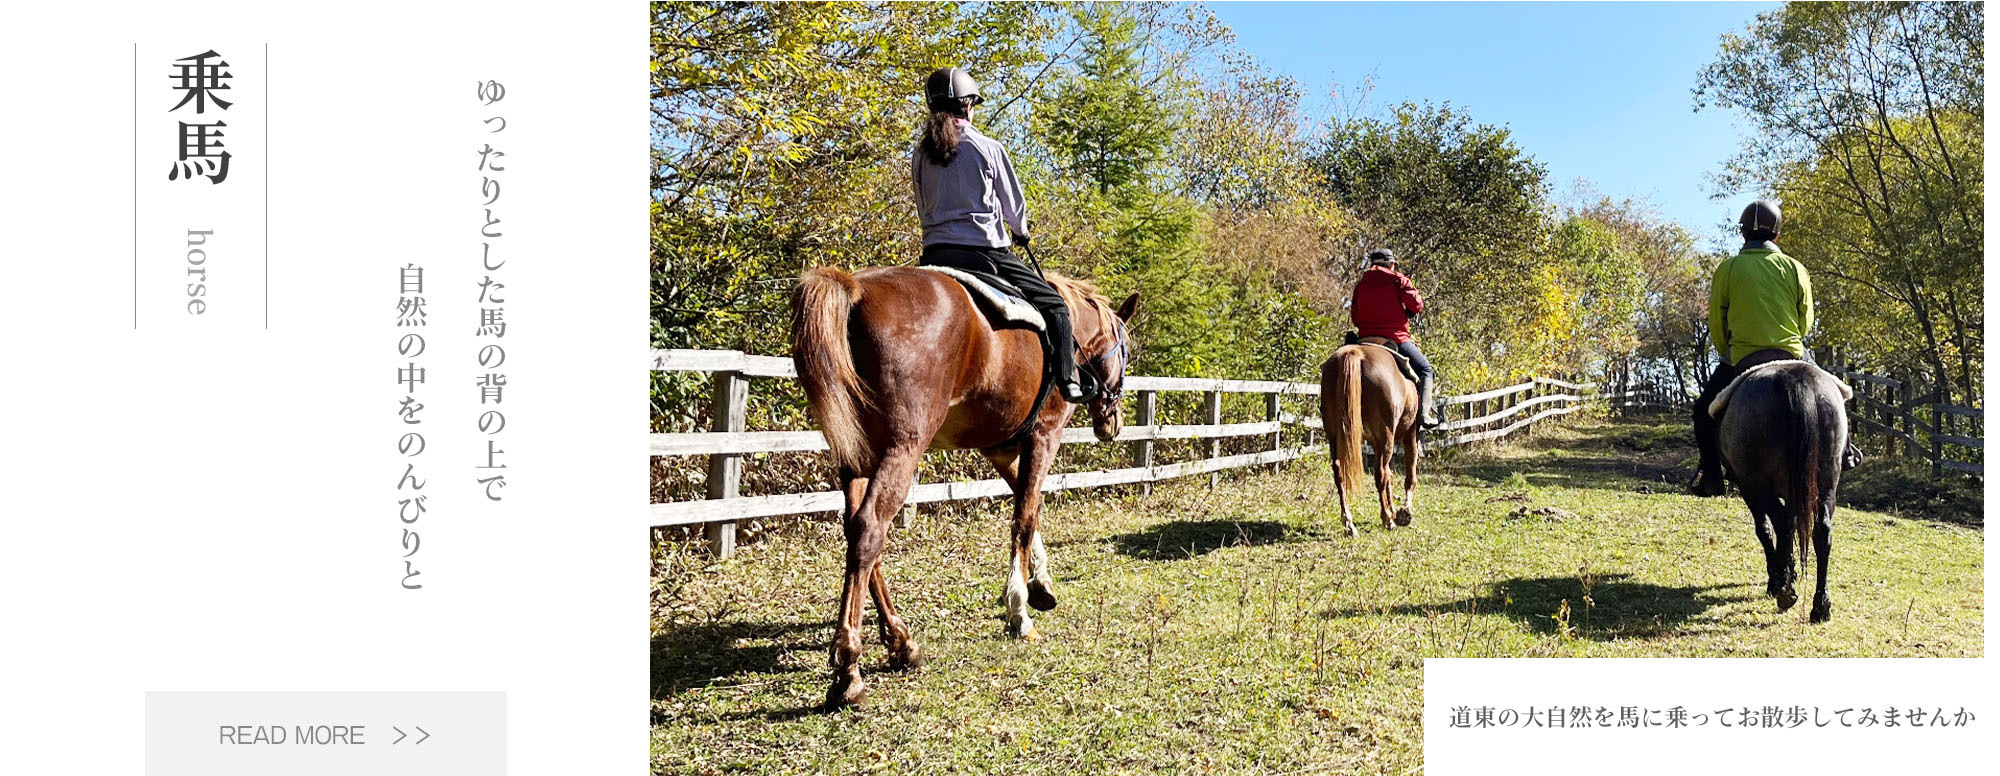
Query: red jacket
(1383,303)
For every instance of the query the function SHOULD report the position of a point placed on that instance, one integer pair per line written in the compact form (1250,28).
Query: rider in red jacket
(1384,303)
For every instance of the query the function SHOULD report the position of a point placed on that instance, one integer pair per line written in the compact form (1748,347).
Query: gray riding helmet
(947,86)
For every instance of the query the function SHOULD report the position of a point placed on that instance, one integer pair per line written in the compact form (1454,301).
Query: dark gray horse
(1782,436)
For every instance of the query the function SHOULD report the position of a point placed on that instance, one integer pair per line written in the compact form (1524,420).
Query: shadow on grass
(1588,473)
(1190,538)
(1619,609)
(698,655)
(1905,489)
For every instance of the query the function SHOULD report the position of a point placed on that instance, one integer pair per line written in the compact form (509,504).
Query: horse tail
(1804,499)
(1340,410)
(820,348)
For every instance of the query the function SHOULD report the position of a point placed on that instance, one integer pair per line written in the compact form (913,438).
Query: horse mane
(1084,295)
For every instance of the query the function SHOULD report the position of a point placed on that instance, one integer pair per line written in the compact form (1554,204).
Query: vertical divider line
(135,185)
(267,185)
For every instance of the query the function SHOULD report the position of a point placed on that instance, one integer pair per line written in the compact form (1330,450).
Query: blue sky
(1598,91)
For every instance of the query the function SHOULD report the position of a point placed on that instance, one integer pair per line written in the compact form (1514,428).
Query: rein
(1047,385)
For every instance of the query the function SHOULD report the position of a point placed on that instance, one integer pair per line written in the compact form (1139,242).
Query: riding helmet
(1760,221)
(948,86)
(1381,256)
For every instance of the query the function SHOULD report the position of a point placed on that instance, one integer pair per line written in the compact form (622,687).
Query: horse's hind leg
(845,654)
(1784,572)
(1410,455)
(1340,488)
(1765,516)
(1385,451)
(903,653)
(867,528)
(1822,535)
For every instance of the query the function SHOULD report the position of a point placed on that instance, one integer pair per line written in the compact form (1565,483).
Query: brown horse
(1362,391)
(897,360)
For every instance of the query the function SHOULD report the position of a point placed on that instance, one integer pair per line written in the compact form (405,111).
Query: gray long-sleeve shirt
(966,201)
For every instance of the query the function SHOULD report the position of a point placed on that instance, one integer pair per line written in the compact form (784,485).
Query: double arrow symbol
(400,735)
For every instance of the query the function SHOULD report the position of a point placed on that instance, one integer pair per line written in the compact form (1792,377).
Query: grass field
(1238,630)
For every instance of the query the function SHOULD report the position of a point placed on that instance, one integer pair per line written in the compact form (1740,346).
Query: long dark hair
(940,142)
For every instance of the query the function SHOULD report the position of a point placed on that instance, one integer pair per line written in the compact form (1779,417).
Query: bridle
(1105,391)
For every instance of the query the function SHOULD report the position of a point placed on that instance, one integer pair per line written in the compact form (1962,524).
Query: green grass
(1239,630)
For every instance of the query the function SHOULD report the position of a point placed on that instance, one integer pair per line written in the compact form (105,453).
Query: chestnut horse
(1362,391)
(897,360)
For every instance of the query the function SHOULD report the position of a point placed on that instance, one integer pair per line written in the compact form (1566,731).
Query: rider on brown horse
(1760,308)
(966,190)
(1384,302)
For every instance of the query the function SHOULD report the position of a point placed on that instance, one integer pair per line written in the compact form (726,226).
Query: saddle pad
(1001,309)
(1721,400)
(1401,360)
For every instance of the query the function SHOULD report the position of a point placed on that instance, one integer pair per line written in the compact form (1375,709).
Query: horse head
(1107,355)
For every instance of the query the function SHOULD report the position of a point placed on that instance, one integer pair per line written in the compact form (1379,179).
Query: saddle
(1005,308)
(998,299)
(1763,367)
(1402,361)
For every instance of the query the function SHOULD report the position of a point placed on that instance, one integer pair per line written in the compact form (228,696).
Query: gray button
(312,733)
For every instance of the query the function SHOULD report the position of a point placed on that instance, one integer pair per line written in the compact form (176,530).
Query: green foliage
(1106,122)
(1465,209)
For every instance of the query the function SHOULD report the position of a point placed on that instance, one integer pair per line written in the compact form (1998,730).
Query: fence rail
(1480,417)
(1909,420)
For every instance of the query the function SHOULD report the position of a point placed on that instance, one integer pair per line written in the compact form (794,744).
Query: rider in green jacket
(1760,307)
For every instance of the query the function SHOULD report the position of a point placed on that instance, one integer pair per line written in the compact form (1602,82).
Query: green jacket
(1759,299)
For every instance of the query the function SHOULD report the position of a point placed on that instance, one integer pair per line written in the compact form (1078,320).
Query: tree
(1869,127)
(1466,211)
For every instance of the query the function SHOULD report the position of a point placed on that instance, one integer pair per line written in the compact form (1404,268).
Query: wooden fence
(1480,416)
(1909,422)
(1892,416)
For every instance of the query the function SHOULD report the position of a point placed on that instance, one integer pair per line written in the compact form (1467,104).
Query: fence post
(1272,414)
(1213,417)
(725,471)
(1908,415)
(1142,450)
(1888,421)
(1939,428)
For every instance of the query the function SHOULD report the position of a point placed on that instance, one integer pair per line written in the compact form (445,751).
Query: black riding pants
(1037,292)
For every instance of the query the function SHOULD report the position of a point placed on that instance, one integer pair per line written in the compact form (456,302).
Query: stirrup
(1086,385)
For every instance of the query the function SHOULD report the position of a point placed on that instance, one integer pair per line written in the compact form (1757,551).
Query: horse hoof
(909,658)
(1024,631)
(1786,598)
(1821,612)
(1040,597)
(1352,531)
(1403,517)
(846,693)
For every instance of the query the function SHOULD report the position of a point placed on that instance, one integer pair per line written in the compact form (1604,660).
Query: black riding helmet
(948,87)
(1761,220)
